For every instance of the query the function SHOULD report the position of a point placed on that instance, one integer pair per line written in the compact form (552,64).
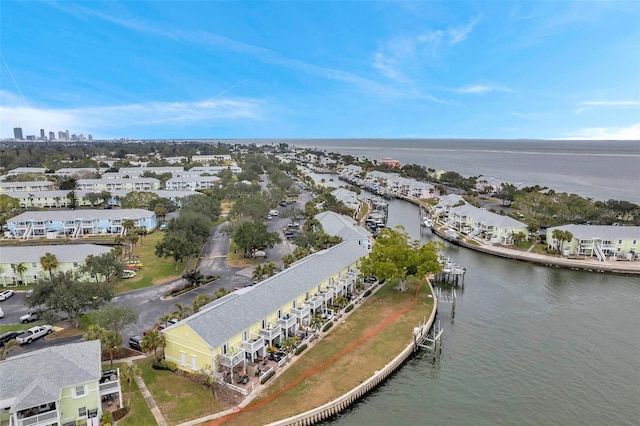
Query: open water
(601,170)
(530,345)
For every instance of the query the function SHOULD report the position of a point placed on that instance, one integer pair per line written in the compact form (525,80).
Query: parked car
(163,226)
(30,317)
(136,263)
(9,335)
(1,313)
(273,212)
(169,323)
(135,343)
(34,333)
(260,253)
(4,295)
(128,274)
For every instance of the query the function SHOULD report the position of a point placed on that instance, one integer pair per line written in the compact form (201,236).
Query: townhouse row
(77,223)
(389,184)
(22,264)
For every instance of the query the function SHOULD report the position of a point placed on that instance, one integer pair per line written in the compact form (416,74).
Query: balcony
(231,361)
(37,416)
(302,312)
(315,302)
(288,321)
(254,344)
(271,332)
(109,382)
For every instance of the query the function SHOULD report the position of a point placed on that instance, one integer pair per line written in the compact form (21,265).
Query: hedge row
(301,348)
(348,308)
(366,293)
(327,326)
(267,376)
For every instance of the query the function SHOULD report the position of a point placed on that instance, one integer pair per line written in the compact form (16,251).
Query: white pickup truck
(34,333)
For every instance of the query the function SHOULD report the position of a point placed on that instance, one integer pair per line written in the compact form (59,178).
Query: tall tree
(20,269)
(129,373)
(115,317)
(105,266)
(200,301)
(49,262)
(65,293)
(151,342)
(110,340)
(395,257)
(177,247)
(10,346)
(252,235)
(181,311)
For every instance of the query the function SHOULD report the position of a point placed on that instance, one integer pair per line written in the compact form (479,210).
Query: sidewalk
(151,403)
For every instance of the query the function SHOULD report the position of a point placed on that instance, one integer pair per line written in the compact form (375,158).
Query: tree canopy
(252,235)
(395,257)
(104,267)
(65,293)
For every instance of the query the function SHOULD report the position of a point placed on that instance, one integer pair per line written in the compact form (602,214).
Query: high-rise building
(42,134)
(61,135)
(66,134)
(17,133)
(90,137)
(52,136)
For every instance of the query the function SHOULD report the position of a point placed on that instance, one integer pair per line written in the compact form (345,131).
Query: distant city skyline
(63,135)
(278,70)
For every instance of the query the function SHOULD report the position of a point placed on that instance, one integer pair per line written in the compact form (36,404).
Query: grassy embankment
(178,398)
(367,340)
(156,270)
(139,413)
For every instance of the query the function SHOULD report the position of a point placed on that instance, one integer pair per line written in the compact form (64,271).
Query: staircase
(76,230)
(599,253)
(474,233)
(27,232)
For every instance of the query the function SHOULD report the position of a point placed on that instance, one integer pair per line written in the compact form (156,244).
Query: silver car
(4,295)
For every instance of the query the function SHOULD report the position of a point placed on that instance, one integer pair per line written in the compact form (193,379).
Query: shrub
(171,365)
(107,419)
(366,293)
(267,376)
(348,308)
(160,365)
(327,326)
(301,348)
(120,413)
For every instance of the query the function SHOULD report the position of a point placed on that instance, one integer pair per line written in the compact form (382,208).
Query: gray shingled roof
(605,232)
(487,217)
(234,313)
(65,253)
(38,377)
(450,199)
(88,214)
(341,226)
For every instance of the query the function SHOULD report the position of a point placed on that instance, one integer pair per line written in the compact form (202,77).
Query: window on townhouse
(34,265)
(82,412)
(79,391)
(194,362)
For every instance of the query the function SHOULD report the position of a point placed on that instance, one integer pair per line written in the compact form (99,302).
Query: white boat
(427,222)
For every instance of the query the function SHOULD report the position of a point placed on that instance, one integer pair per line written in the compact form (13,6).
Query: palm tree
(11,346)
(182,311)
(109,340)
(258,273)
(20,269)
(316,322)
(269,269)
(152,341)
(221,292)
(49,262)
(341,301)
(128,225)
(200,301)
(130,373)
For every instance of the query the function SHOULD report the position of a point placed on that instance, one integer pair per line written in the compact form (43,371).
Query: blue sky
(500,69)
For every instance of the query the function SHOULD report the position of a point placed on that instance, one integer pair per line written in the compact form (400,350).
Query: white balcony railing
(108,388)
(302,311)
(39,419)
(287,321)
(232,360)
(271,332)
(254,344)
(315,302)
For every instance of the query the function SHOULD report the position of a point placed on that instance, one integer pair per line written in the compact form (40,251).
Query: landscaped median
(357,346)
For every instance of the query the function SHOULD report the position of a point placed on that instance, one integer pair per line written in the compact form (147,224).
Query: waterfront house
(400,186)
(447,202)
(484,225)
(350,172)
(348,198)
(77,223)
(35,186)
(389,162)
(139,171)
(240,326)
(58,385)
(344,227)
(600,241)
(70,257)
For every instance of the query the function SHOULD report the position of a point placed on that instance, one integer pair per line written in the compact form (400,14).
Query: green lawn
(140,414)
(178,398)
(155,270)
(18,327)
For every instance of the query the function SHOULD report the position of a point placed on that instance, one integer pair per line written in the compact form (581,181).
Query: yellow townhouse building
(239,327)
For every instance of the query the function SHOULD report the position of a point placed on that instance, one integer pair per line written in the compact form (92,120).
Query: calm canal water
(530,345)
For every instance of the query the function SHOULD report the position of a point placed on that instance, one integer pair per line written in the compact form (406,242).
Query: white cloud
(481,88)
(460,34)
(587,105)
(103,120)
(631,132)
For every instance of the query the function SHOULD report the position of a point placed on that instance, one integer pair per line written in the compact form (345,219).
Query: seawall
(339,404)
